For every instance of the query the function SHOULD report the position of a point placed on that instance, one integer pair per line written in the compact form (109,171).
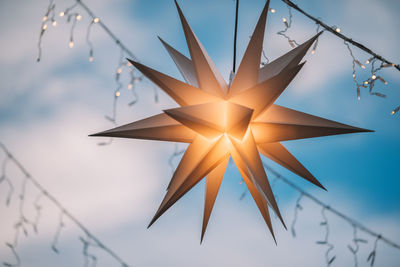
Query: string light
(118,93)
(272,10)
(325,223)
(54,23)
(288,24)
(72,16)
(384,63)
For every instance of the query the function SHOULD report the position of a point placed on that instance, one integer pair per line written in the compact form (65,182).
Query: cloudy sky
(47,110)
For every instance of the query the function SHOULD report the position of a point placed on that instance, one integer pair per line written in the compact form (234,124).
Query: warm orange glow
(220,121)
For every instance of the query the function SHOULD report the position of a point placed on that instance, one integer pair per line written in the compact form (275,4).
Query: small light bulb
(362,66)
(392,113)
(284,20)
(366,82)
(313,52)
(71,44)
(96,20)
(62,14)
(117,93)
(44,18)
(90,59)
(44,27)
(358,97)
(54,23)
(119,70)
(337,29)
(128,64)
(373,76)
(354,75)
(367,62)
(78,17)
(272,10)
(130,86)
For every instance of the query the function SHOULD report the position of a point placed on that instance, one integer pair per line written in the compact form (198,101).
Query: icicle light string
(74,17)
(384,62)
(24,224)
(325,223)
(355,224)
(288,24)
(297,209)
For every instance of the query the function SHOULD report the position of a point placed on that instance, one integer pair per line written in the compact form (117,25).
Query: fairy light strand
(354,223)
(297,209)
(74,17)
(384,62)
(23,224)
(325,223)
(288,24)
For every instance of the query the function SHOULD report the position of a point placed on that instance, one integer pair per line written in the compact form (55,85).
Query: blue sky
(47,109)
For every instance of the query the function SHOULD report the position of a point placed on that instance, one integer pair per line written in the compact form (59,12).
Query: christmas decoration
(238,120)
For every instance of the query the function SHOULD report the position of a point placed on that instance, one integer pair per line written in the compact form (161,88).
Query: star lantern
(237,120)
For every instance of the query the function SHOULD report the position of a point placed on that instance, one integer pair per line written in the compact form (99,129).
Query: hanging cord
(235,37)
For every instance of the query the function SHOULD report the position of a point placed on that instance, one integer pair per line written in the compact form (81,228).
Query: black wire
(235,37)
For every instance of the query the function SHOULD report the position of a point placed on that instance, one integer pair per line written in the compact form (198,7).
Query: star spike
(159,127)
(183,93)
(247,74)
(278,153)
(208,76)
(248,152)
(213,183)
(213,158)
(184,64)
(261,96)
(290,59)
(282,124)
(257,196)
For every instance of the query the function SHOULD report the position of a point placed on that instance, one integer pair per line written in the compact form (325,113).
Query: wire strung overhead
(376,61)
(25,224)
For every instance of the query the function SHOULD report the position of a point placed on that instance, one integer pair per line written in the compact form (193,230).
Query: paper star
(221,121)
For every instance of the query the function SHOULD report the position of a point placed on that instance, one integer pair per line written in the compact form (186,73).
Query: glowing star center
(213,119)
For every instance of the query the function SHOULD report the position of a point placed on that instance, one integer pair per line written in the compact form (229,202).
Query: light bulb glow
(117,93)
(71,44)
(79,17)
(96,20)
(337,30)
(90,59)
(54,23)
(44,18)
(62,14)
